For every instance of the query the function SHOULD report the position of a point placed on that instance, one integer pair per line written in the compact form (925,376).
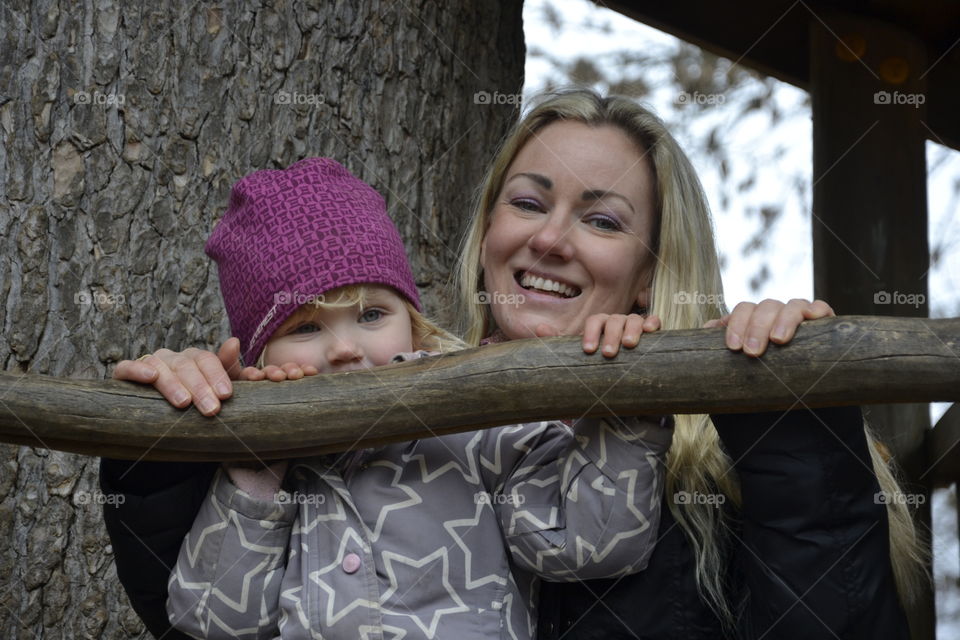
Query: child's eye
(604,223)
(371,315)
(307,327)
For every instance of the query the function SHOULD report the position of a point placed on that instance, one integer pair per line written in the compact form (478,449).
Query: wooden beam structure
(870,252)
(943,448)
(772,37)
(850,360)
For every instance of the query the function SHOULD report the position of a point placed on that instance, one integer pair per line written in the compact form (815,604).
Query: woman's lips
(545,285)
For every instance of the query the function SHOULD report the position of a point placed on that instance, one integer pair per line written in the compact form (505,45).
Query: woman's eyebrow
(543,181)
(590,195)
(599,194)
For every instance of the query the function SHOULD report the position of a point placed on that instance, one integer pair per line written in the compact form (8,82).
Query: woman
(590,211)
(787,540)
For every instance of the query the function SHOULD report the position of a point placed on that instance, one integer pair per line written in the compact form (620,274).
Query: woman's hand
(191,376)
(752,326)
(617,329)
(201,377)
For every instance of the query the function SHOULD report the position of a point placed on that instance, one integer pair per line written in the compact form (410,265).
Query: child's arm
(260,480)
(582,503)
(226,582)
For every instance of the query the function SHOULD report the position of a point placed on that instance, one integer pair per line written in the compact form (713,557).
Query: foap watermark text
(915,300)
(697,297)
(295,97)
(83,498)
(285,497)
(485,97)
(896,97)
(484,497)
(99,99)
(296,298)
(498,298)
(695,497)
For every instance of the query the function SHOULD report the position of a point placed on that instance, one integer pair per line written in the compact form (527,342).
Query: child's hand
(261,480)
(289,371)
(616,329)
(751,326)
(190,376)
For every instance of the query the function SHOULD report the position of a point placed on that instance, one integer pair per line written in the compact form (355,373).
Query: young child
(444,537)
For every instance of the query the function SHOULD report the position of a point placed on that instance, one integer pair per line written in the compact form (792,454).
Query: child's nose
(344,349)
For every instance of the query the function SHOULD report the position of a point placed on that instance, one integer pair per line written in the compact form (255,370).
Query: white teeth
(545,284)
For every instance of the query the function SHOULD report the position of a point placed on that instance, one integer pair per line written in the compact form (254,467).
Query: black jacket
(810,559)
(161,500)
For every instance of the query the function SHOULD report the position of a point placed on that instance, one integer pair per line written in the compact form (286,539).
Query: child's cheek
(281,352)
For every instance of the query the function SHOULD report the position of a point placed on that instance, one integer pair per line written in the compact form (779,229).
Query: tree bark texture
(124,126)
(836,361)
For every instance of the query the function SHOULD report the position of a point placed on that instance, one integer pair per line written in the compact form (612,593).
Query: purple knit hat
(290,235)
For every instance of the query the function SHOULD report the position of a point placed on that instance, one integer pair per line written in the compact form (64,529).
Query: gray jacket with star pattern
(444,537)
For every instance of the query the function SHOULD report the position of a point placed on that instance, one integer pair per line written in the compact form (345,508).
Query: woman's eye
(526,204)
(307,327)
(371,315)
(604,223)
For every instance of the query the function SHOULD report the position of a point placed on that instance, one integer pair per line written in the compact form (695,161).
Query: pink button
(351,563)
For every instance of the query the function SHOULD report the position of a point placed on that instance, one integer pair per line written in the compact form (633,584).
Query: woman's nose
(552,236)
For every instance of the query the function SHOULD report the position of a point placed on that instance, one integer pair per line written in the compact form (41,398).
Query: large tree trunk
(123,129)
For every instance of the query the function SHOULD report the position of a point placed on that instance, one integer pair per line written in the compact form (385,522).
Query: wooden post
(870,208)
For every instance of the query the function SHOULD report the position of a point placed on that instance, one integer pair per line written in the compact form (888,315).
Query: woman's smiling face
(570,233)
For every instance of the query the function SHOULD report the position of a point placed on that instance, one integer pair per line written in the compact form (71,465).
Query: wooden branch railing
(849,360)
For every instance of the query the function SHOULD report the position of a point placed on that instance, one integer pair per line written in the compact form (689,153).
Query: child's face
(345,338)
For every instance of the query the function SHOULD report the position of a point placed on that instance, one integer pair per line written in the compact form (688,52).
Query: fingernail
(753,345)
(608,349)
(589,346)
(780,333)
(223,389)
(735,341)
(629,338)
(180,397)
(208,405)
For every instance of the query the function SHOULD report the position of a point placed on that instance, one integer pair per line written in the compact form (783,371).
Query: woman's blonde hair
(686,292)
(426,334)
